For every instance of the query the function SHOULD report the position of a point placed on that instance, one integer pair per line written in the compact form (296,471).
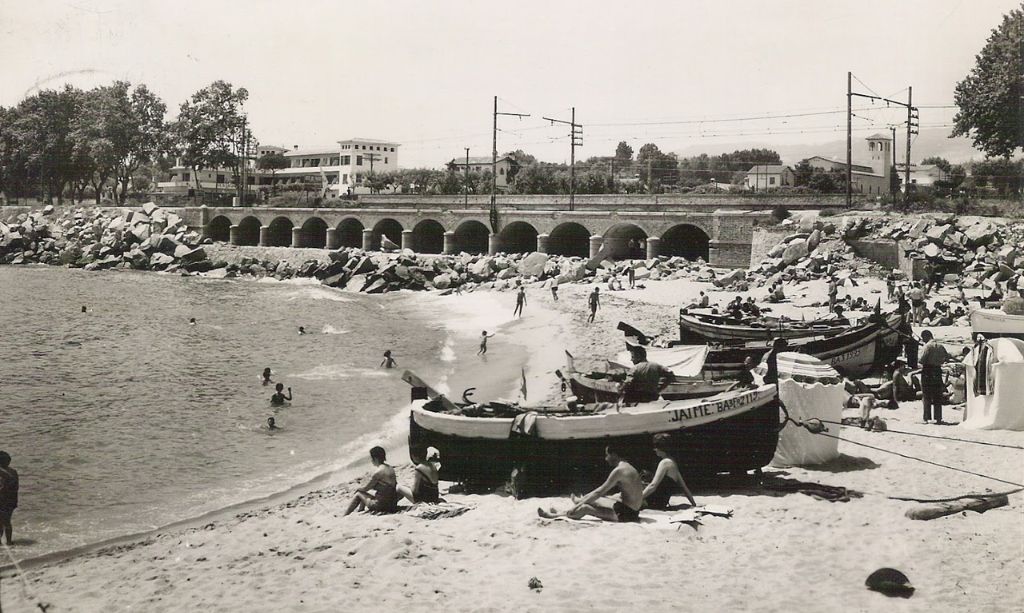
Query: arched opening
(428,237)
(350,233)
(625,242)
(219,229)
(569,239)
(518,237)
(471,237)
(314,233)
(279,233)
(249,231)
(389,228)
(688,241)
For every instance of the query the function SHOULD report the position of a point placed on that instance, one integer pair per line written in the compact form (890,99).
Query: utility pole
(465,187)
(575,140)
(650,178)
(372,157)
(912,118)
(849,138)
(494,163)
(893,130)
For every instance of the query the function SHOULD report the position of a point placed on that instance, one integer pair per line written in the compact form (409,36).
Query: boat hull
(696,329)
(731,432)
(994,323)
(855,353)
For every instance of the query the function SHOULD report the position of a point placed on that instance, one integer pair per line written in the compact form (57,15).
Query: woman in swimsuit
(424,485)
(667,478)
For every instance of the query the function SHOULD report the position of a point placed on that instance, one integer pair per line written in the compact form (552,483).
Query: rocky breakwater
(968,249)
(152,238)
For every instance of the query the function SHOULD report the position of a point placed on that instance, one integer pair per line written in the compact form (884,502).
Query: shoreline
(298,553)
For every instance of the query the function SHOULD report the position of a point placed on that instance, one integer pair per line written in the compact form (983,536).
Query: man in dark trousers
(631,275)
(595,303)
(933,356)
(8,496)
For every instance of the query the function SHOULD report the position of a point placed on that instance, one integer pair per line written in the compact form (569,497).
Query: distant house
(483,164)
(767,176)
(923,174)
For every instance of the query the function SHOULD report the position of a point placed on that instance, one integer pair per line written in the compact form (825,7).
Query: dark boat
(856,352)
(544,449)
(710,328)
(605,386)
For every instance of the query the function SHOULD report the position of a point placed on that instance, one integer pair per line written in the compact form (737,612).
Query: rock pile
(155,239)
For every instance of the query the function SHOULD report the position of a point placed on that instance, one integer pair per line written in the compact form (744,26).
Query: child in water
(271,424)
(388,361)
(483,342)
(266,376)
(279,398)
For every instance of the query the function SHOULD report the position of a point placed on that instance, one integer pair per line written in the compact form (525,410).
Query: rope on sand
(24,582)
(910,457)
(945,438)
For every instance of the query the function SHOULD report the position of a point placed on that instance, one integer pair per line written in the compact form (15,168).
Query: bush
(780,213)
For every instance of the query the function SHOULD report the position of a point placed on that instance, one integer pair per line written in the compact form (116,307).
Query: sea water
(126,417)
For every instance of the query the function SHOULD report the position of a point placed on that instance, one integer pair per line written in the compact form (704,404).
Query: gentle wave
(333,372)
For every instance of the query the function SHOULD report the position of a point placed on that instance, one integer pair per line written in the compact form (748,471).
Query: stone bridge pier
(721,236)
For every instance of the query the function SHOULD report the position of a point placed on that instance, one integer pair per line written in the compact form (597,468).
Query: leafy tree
(989,98)
(623,152)
(663,168)
(272,161)
(44,153)
(1001,175)
(802,173)
(211,131)
(935,160)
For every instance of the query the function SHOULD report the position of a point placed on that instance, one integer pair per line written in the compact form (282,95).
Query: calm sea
(125,417)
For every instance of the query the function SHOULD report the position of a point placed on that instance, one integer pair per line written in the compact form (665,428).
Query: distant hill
(929,142)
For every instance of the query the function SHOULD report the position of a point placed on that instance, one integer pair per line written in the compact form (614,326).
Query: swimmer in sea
(191,321)
(388,361)
(84,310)
(266,376)
(271,424)
(301,330)
(279,398)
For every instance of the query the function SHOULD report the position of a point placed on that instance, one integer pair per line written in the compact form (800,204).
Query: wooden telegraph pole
(494,163)
(576,140)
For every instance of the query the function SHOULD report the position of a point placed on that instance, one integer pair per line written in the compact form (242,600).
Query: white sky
(423,73)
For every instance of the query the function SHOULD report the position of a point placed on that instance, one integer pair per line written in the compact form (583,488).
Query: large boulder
(160,260)
(533,264)
(481,269)
(443,281)
(980,233)
(187,255)
(794,251)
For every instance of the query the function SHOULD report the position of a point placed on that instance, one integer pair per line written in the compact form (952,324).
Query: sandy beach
(777,552)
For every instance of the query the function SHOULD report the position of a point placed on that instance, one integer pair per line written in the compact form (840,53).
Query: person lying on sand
(625,478)
(424,485)
(667,478)
(384,485)
(279,398)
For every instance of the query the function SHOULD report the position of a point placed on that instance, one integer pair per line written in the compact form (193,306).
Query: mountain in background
(930,142)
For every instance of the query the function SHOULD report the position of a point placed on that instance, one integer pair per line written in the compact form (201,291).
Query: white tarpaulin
(808,388)
(1003,409)
(682,360)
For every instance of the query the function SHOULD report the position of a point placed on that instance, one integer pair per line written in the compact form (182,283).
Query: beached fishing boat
(483,444)
(709,328)
(856,352)
(994,323)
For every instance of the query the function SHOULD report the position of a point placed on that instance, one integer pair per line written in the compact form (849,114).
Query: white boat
(994,323)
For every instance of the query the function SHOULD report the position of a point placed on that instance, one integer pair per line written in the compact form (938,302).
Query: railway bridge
(716,229)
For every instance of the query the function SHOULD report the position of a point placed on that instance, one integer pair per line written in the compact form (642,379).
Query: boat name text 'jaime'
(707,410)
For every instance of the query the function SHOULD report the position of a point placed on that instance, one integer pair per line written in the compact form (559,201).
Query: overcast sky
(423,73)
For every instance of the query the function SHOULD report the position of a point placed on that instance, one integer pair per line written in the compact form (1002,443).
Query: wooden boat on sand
(544,448)
(709,328)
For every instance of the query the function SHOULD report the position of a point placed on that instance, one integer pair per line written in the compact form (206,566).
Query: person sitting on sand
(388,361)
(279,398)
(867,403)
(266,376)
(384,485)
(483,342)
(191,321)
(424,485)
(667,478)
(625,478)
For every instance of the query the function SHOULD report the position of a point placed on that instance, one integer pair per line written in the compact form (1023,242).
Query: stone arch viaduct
(716,230)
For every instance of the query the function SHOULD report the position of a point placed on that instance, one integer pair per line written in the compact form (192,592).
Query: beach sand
(777,552)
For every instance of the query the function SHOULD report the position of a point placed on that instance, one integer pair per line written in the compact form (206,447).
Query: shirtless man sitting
(625,478)
(384,485)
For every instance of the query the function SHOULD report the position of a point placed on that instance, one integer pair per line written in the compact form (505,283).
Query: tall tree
(211,130)
(272,161)
(623,152)
(935,160)
(989,98)
(42,128)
